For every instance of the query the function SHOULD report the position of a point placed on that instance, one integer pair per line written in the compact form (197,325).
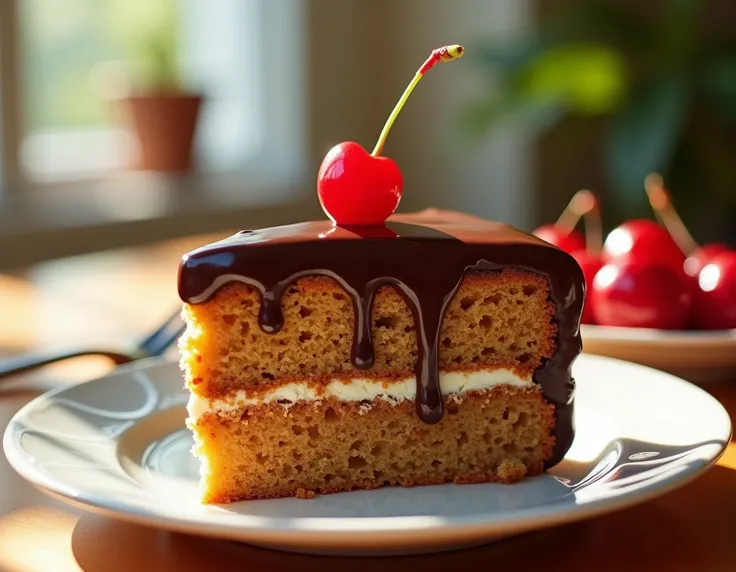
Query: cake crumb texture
(497,319)
(501,434)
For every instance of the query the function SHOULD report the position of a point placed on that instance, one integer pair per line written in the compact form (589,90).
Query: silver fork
(154,344)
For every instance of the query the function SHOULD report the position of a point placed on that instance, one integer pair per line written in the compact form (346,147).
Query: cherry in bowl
(642,242)
(701,257)
(640,296)
(714,301)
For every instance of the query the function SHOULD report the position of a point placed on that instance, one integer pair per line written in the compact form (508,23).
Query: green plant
(147,32)
(666,93)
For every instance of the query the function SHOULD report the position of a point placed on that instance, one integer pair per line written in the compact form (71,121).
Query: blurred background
(131,121)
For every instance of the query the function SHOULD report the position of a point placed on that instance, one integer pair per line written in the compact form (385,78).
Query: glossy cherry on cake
(357,188)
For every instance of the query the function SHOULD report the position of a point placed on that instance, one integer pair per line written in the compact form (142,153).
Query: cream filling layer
(451,383)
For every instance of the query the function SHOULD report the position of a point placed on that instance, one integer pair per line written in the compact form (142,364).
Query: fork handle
(26,362)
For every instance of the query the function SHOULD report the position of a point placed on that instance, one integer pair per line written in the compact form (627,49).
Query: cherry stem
(444,54)
(666,214)
(583,205)
(568,220)
(591,213)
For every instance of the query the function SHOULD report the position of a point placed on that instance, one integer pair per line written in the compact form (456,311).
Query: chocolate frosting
(424,256)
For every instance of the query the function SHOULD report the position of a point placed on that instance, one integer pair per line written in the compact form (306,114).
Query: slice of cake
(434,349)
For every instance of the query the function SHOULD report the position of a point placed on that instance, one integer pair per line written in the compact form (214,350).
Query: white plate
(117,446)
(697,356)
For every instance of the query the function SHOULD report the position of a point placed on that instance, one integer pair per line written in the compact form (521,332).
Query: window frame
(282,155)
(10,98)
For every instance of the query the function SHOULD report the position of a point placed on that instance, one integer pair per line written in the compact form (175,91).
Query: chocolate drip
(429,403)
(270,317)
(428,319)
(424,262)
(362,352)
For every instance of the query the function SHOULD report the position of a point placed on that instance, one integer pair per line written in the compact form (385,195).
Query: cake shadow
(102,544)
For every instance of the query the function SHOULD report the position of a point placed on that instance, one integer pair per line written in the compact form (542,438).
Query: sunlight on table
(728,460)
(37,539)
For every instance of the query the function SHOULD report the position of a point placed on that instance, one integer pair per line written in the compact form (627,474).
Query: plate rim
(480,525)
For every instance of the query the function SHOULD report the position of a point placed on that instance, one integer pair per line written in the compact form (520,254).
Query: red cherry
(702,256)
(357,189)
(640,296)
(714,303)
(562,239)
(590,264)
(643,242)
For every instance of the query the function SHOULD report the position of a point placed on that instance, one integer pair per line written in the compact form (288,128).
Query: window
(72,59)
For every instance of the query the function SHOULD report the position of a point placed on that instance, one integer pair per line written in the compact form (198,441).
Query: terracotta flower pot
(164,126)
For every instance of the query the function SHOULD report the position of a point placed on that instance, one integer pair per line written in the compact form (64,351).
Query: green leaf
(583,79)
(644,136)
(147,33)
(718,85)
(590,79)
(591,22)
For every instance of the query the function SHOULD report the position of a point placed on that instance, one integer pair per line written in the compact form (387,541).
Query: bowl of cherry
(654,296)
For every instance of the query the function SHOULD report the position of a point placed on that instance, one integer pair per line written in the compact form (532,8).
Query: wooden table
(112,297)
